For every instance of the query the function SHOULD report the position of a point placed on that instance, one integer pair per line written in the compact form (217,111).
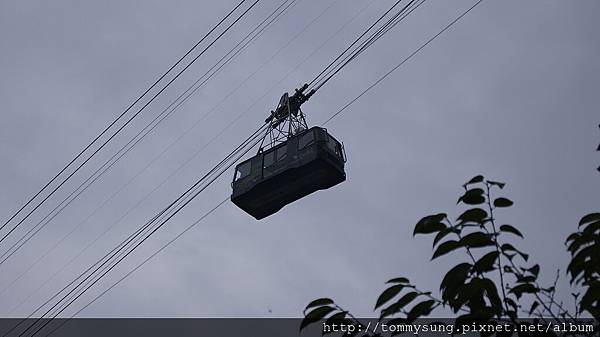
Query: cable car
(310,161)
(306,161)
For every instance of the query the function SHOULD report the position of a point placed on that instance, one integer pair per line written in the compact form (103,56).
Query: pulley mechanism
(287,119)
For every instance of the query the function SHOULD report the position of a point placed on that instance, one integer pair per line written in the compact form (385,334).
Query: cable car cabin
(310,161)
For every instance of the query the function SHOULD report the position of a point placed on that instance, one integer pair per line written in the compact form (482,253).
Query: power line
(402,62)
(108,127)
(195,154)
(329,119)
(145,105)
(353,43)
(163,247)
(393,21)
(386,27)
(250,37)
(190,194)
(333,116)
(213,179)
(136,245)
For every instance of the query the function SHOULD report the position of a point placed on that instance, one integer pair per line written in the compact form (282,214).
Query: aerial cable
(144,234)
(111,125)
(353,43)
(137,113)
(366,44)
(391,22)
(253,140)
(256,134)
(123,256)
(181,166)
(150,231)
(172,80)
(144,132)
(107,270)
(138,266)
(402,62)
(342,27)
(329,119)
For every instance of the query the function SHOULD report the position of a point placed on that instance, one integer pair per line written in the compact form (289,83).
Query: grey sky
(510,92)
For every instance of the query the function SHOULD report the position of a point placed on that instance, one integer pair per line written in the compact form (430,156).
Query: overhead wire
(312,82)
(138,266)
(410,56)
(449,25)
(144,234)
(259,29)
(392,22)
(101,135)
(189,159)
(255,135)
(341,62)
(187,196)
(396,67)
(329,119)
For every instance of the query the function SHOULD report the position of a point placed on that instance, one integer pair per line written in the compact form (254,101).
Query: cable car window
(334,146)
(306,139)
(243,170)
(281,153)
(268,159)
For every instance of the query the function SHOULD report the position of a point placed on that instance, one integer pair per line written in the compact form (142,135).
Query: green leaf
(520,289)
(499,184)
(486,263)
(318,302)
(591,296)
(445,248)
(526,279)
(398,305)
(441,234)
(473,215)
(502,202)
(591,228)
(430,224)
(476,179)
(512,303)
(535,270)
(316,315)
(388,294)
(573,236)
(421,309)
(492,294)
(507,247)
(509,256)
(453,279)
(472,197)
(585,261)
(510,229)
(403,280)
(579,241)
(477,240)
(589,218)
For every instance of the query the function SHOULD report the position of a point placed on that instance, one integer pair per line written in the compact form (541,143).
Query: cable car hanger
(288,110)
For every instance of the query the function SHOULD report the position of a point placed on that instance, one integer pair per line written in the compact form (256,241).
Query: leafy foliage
(584,268)
(494,280)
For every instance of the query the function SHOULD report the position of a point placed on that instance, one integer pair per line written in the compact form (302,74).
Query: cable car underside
(298,161)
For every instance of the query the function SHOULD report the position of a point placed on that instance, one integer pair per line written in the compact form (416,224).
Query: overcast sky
(511,92)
